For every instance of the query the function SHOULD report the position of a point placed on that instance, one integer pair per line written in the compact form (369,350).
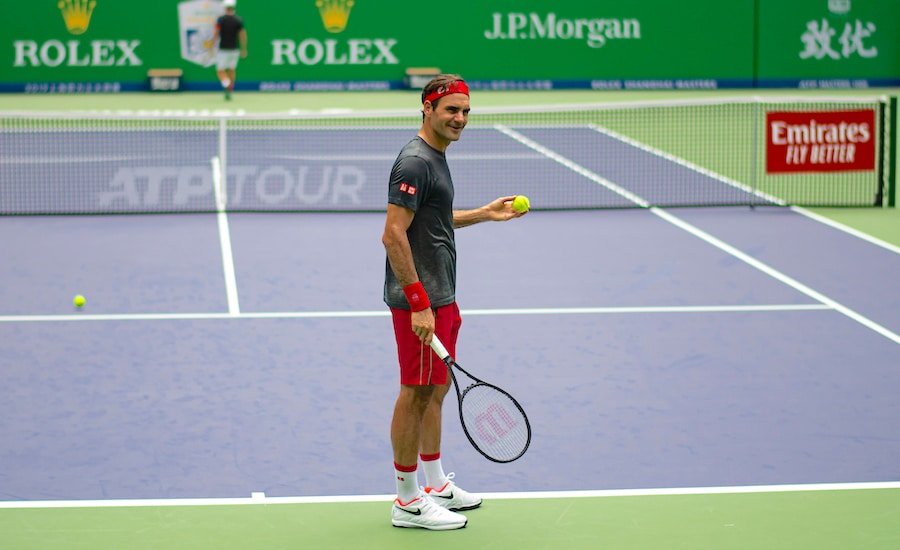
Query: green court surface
(821,520)
(883,223)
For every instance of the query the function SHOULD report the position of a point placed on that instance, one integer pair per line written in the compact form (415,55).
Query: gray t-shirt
(420,180)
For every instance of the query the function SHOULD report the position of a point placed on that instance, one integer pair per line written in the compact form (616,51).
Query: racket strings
(495,423)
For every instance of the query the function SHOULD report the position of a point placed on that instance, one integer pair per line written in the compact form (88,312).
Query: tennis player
(231,34)
(420,290)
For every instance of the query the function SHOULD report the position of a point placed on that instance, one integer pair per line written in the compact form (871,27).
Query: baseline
(260,498)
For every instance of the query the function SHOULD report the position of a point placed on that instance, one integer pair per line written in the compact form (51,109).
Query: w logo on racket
(494,423)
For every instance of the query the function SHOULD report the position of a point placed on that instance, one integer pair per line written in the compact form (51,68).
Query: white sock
(226,82)
(434,472)
(407,483)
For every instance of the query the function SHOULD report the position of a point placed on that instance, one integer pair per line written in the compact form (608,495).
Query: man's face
(449,117)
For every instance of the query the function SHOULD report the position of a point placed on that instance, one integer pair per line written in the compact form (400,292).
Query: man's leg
(430,448)
(224,80)
(406,433)
(439,485)
(412,508)
(232,78)
(222,74)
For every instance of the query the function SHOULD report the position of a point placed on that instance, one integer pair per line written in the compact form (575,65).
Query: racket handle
(439,348)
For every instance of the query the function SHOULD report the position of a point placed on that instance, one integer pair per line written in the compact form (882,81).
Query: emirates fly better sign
(832,141)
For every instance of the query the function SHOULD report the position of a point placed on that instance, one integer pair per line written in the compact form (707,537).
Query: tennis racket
(494,422)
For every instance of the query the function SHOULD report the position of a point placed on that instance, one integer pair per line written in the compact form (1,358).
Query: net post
(892,155)
(756,107)
(882,138)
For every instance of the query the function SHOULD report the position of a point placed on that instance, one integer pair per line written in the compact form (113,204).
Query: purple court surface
(721,347)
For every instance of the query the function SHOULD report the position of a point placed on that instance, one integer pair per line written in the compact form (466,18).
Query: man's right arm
(400,257)
(213,39)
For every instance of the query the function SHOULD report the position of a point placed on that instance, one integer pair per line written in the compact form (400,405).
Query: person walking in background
(420,290)
(232,37)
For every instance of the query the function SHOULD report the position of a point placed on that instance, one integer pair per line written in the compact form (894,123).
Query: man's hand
(423,325)
(501,209)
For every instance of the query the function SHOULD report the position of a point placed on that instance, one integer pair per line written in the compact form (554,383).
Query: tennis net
(728,151)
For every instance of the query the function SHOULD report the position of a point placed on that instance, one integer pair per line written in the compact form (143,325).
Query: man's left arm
(498,210)
(242,36)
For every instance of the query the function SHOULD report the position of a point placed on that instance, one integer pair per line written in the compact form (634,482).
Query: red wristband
(416,296)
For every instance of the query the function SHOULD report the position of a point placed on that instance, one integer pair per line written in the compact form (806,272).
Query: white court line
(738,185)
(391,158)
(385,313)
(849,230)
(774,273)
(261,498)
(231,293)
(689,165)
(699,233)
(621,191)
(69,160)
(647,309)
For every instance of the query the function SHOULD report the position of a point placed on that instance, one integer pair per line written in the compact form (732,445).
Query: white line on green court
(259,498)
(849,230)
(385,313)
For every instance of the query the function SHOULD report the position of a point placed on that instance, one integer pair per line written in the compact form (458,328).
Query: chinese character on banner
(819,35)
(852,40)
(817,39)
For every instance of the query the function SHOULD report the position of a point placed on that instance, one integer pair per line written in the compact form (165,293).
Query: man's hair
(439,81)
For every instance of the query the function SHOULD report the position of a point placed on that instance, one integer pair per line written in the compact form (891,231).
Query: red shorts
(419,366)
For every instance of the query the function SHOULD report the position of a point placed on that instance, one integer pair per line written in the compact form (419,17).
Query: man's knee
(416,397)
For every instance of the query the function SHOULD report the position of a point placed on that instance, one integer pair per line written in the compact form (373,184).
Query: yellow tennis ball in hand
(79,301)
(521,204)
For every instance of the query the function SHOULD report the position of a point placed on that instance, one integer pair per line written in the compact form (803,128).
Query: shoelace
(449,477)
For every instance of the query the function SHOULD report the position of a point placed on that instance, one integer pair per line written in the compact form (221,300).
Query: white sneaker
(425,513)
(451,497)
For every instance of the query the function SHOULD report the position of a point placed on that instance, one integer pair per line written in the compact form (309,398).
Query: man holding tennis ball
(420,289)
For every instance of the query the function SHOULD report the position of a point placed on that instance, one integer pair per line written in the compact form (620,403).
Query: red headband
(455,87)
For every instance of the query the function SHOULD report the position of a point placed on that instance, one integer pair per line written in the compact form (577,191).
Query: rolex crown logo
(335,14)
(77,14)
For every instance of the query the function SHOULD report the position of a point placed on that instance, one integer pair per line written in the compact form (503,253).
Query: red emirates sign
(832,141)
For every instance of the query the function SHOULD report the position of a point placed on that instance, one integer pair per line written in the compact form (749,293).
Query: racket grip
(439,348)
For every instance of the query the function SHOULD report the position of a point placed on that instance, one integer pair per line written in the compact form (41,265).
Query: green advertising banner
(111,45)
(829,43)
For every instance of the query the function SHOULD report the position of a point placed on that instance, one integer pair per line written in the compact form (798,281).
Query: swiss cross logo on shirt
(407,188)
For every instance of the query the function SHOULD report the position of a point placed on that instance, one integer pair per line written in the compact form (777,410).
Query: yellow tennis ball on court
(79,301)
(521,203)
